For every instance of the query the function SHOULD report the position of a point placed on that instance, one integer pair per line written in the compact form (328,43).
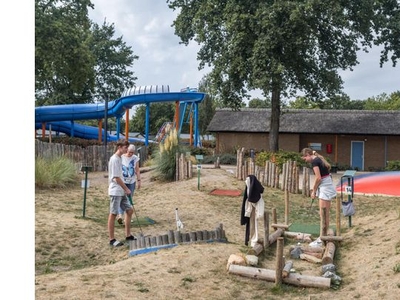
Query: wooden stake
(274,218)
(266,229)
(286,206)
(279,261)
(337,216)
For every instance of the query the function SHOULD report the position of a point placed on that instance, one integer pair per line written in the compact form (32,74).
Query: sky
(146,27)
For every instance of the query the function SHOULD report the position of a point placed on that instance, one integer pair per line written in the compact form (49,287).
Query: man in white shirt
(118,191)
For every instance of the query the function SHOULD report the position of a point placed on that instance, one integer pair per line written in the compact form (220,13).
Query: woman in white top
(131,174)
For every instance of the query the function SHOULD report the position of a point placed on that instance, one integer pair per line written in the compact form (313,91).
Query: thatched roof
(308,121)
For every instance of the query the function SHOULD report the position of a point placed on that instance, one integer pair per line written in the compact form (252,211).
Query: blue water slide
(58,115)
(81,131)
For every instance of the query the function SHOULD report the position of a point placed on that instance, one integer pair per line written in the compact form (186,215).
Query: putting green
(312,229)
(143,221)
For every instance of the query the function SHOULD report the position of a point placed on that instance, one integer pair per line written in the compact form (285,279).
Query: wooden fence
(287,179)
(96,157)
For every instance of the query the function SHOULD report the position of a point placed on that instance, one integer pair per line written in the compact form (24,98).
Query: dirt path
(366,259)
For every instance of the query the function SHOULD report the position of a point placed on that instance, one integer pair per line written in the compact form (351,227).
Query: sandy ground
(365,260)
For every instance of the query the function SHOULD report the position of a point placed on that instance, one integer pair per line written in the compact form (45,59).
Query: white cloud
(146,27)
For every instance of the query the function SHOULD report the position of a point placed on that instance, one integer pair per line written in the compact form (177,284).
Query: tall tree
(160,113)
(63,60)
(77,61)
(259,103)
(113,58)
(384,102)
(207,106)
(285,47)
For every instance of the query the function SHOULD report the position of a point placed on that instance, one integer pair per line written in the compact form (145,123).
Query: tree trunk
(274,122)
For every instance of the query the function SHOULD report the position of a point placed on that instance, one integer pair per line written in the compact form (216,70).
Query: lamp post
(105,130)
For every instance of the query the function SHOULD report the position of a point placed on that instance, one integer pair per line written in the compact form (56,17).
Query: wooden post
(286,206)
(329,253)
(279,261)
(274,218)
(323,229)
(266,229)
(330,248)
(283,226)
(337,216)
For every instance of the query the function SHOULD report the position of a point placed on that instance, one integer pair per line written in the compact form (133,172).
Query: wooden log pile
(270,275)
(177,237)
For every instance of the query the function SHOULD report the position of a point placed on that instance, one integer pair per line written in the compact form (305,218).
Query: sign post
(349,176)
(85,169)
(199,158)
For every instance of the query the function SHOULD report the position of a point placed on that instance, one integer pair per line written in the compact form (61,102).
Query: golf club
(134,210)
(312,201)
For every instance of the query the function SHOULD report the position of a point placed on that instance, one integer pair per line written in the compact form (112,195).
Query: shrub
(56,172)
(165,158)
(393,165)
(279,158)
(227,159)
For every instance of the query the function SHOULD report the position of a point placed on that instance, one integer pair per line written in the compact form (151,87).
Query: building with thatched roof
(359,139)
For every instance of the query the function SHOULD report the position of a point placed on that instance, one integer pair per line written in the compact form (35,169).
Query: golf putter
(134,210)
(312,201)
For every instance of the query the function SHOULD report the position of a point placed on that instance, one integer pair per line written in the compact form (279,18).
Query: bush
(393,165)
(279,158)
(165,158)
(55,173)
(224,159)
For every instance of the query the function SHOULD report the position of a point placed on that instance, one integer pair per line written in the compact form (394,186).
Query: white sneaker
(316,243)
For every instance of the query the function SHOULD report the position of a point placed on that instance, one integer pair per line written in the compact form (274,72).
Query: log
(269,275)
(293,234)
(329,253)
(310,258)
(274,236)
(315,254)
(284,226)
(309,249)
(299,236)
(258,248)
(328,238)
(286,269)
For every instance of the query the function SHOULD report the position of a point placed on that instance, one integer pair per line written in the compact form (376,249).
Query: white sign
(83,184)
(348,190)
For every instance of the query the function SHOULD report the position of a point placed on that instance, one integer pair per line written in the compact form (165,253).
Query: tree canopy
(77,61)
(285,48)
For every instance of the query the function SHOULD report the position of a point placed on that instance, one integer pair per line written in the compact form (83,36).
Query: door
(357,155)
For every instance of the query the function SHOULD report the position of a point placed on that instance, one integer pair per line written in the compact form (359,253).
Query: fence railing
(286,179)
(95,156)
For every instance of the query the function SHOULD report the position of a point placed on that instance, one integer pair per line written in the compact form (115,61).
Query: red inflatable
(379,183)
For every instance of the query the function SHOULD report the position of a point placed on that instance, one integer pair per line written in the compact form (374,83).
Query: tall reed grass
(57,172)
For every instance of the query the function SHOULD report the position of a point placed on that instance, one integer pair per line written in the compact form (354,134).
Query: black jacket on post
(256,189)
